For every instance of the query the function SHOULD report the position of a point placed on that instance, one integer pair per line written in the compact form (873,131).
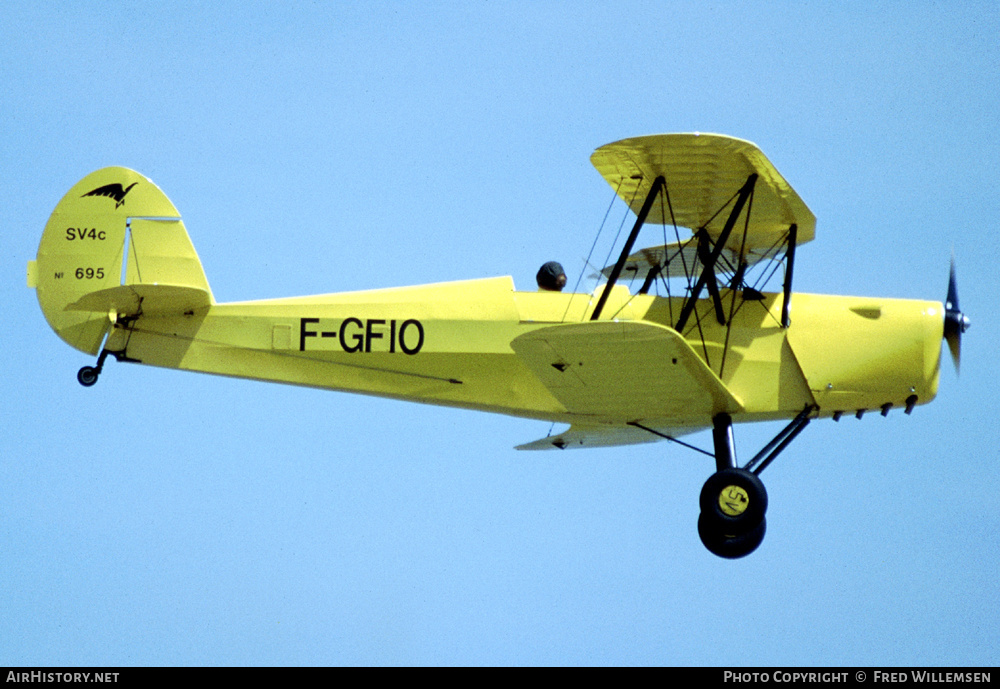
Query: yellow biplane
(116,274)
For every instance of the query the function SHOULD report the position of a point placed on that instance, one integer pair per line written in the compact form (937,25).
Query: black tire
(730,546)
(87,376)
(734,500)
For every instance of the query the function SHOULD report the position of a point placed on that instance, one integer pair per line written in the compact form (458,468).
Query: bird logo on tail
(112,191)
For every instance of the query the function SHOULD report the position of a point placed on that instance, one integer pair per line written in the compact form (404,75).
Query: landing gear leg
(733,500)
(725,447)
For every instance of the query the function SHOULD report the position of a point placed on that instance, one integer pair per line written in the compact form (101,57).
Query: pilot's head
(551,277)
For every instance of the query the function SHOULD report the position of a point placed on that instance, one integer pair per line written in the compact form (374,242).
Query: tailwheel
(720,542)
(87,376)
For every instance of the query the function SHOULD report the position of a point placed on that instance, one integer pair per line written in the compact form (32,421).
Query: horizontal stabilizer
(150,300)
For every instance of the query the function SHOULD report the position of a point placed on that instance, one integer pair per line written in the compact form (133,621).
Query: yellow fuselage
(450,344)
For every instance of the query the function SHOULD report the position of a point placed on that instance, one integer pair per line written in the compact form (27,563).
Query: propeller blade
(955,322)
(955,347)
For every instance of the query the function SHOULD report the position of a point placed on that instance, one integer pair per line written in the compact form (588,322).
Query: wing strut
(613,278)
(708,272)
(651,276)
(793,232)
(704,241)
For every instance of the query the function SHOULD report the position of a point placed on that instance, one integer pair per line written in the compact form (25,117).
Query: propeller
(955,322)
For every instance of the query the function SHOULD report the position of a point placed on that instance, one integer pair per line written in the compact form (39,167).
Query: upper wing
(616,373)
(702,173)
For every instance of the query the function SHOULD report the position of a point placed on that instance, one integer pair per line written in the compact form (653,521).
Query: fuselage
(450,344)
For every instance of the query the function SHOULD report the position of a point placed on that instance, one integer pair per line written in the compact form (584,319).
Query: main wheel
(730,546)
(734,501)
(87,376)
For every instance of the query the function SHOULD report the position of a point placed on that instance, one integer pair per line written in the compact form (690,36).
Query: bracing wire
(593,246)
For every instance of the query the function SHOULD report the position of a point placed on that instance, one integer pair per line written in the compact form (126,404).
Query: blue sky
(169,518)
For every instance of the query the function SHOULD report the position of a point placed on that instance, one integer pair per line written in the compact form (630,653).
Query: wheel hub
(733,500)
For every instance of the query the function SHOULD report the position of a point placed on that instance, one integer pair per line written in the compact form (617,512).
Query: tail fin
(114,246)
